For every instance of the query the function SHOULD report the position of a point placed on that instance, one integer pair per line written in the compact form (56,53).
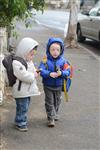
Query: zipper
(55,69)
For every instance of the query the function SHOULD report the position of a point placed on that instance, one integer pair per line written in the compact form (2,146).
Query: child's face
(55,50)
(30,55)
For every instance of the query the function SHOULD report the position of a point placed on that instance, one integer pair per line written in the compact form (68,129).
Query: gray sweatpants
(52,101)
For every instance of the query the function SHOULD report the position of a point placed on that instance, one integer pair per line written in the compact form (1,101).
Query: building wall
(88,4)
(64,3)
(57,3)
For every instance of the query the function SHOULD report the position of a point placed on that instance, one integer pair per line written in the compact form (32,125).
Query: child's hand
(36,74)
(54,74)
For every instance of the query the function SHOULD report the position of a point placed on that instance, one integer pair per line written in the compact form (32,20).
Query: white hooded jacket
(28,85)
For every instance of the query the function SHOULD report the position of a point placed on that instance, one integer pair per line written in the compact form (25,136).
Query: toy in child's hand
(38,70)
(58,71)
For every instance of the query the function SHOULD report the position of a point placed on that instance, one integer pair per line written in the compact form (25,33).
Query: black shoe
(22,128)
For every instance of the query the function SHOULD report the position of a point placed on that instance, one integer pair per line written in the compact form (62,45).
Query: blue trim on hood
(54,40)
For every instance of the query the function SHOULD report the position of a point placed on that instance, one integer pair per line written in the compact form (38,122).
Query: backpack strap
(65,91)
(23,63)
(44,61)
(19,85)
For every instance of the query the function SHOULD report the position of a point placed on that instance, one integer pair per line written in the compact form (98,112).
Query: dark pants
(52,102)
(22,105)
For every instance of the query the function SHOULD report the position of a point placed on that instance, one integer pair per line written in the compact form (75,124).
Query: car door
(91,23)
(86,25)
(95,23)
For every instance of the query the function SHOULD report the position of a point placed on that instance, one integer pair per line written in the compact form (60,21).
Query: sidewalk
(78,127)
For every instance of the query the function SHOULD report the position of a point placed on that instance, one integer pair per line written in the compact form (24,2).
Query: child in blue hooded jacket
(52,73)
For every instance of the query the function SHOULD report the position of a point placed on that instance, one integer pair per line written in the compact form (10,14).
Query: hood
(25,46)
(54,40)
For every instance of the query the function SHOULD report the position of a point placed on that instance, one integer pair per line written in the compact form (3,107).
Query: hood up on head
(25,46)
(54,40)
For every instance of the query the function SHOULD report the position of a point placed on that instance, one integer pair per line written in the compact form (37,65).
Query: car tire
(80,38)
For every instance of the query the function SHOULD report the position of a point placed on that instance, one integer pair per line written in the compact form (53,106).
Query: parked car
(88,25)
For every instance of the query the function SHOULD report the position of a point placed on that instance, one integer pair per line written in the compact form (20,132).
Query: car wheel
(80,38)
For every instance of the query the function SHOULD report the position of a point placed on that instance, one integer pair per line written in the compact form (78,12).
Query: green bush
(9,9)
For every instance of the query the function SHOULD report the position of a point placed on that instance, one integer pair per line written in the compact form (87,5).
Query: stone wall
(3,49)
(3,40)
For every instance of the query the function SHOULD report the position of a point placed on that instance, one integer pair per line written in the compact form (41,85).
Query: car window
(98,13)
(93,12)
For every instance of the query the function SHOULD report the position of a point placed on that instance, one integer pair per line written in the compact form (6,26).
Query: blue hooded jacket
(52,65)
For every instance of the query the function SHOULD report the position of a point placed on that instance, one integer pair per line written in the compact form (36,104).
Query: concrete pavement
(78,128)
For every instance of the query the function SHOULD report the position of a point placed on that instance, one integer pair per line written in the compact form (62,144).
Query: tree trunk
(71,37)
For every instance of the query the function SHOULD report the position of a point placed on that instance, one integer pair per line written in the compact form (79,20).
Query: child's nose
(35,52)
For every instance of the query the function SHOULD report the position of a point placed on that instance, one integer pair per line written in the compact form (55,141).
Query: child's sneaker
(51,123)
(22,128)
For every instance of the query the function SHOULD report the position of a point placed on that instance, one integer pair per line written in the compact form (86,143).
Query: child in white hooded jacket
(26,49)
